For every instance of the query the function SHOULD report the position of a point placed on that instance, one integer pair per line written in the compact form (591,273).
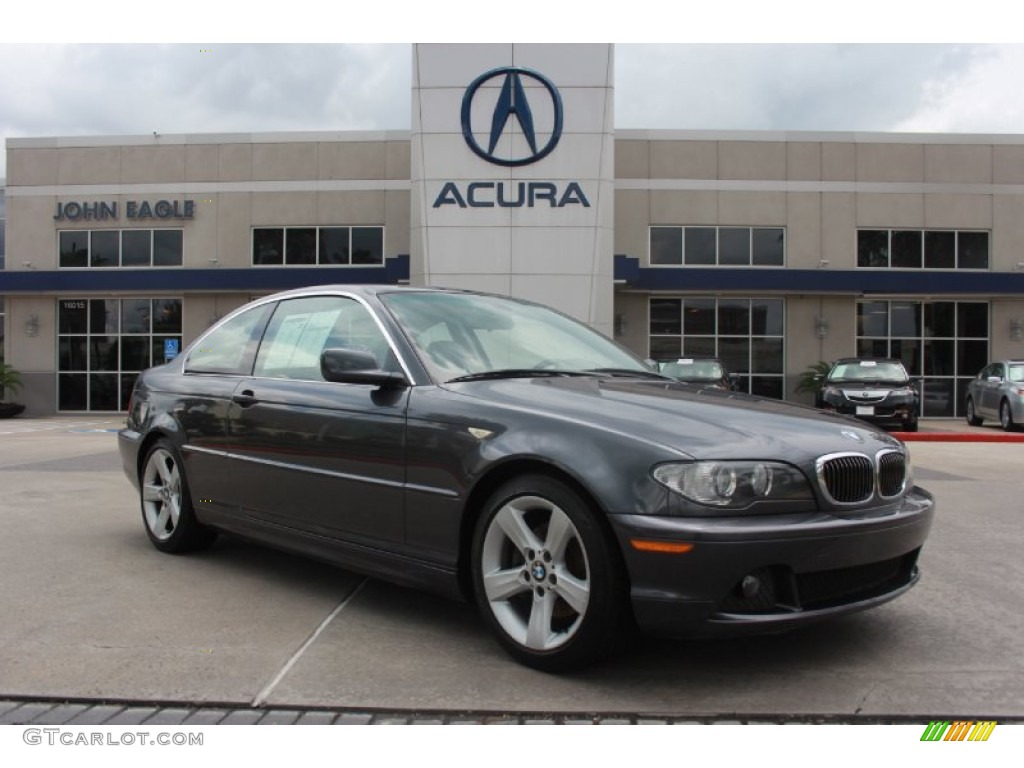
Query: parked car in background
(876,390)
(706,371)
(493,449)
(997,392)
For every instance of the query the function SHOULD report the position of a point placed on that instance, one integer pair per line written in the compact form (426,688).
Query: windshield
(458,335)
(868,370)
(692,370)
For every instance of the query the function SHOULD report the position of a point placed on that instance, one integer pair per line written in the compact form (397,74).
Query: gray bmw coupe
(495,450)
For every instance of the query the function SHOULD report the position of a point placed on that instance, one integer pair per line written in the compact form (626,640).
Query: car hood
(700,423)
(868,384)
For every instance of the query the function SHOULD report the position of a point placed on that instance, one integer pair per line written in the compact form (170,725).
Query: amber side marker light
(665,547)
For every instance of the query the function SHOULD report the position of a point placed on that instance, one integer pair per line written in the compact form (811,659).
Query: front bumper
(770,573)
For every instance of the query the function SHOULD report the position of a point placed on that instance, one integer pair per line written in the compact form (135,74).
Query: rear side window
(231,347)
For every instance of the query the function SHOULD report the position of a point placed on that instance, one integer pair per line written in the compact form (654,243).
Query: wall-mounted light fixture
(32,325)
(620,324)
(28,265)
(820,327)
(822,264)
(1016,329)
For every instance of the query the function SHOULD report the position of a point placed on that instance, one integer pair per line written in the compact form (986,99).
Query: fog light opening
(751,586)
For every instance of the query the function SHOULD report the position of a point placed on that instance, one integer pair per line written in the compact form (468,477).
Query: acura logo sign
(512,106)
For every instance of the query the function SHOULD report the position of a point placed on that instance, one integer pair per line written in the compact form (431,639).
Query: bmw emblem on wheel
(512,103)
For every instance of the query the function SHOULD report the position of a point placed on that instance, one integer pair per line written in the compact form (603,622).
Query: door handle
(245,398)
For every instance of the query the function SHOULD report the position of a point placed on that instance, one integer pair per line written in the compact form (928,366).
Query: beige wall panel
(804,348)
(200,236)
(803,230)
(1001,345)
(284,162)
(890,210)
(397,162)
(803,161)
(31,354)
(201,162)
(632,321)
(1007,232)
(890,162)
(838,161)
(963,211)
(1008,165)
(234,230)
(153,164)
(632,160)
(752,208)
(352,160)
(26,167)
(283,208)
(350,208)
(89,165)
(839,233)
(683,159)
(31,233)
(396,223)
(632,214)
(235,162)
(678,207)
(958,163)
(762,160)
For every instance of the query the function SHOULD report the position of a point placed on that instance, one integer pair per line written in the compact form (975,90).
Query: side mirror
(994,379)
(356,366)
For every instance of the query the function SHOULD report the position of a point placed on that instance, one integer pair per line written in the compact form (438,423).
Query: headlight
(734,484)
(832,393)
(905,392)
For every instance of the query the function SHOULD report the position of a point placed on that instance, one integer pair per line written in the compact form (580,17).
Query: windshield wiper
(517,373)
(629,372)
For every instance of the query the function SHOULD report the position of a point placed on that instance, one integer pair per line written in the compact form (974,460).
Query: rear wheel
(1006,417)
(546,576)
(166,506)
(972,416)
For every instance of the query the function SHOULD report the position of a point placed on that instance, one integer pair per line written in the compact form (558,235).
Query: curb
(957,437)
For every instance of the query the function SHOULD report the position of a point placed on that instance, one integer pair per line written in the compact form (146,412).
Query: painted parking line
(48,426)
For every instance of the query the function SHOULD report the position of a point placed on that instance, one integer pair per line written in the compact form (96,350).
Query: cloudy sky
(112,86)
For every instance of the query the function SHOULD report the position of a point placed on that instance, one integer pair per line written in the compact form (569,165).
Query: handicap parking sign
(170,349)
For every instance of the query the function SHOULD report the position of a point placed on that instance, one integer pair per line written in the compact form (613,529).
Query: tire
(167,510)
(547,578)
(972,417)
(1006,417)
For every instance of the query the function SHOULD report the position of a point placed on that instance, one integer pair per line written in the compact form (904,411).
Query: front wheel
(972,416)
(166,507)
(1006,417)
(546,576)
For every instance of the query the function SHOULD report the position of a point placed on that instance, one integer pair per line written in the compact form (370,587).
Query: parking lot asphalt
(92,614)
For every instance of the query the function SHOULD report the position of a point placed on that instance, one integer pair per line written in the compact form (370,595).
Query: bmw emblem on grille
(852,435)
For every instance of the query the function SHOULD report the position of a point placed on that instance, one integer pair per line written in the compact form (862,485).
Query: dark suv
(875,390)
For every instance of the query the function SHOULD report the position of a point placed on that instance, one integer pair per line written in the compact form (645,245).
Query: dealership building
(772,250)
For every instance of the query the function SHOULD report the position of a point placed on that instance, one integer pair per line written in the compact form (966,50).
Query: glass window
(135,315)
(701,245)
(230,347)
(136,247)
(167,247)
(699,317)
(733,317)
(940,319)
(872,248)
(873,318)
(666,245)
(104,248)
(906,250)
(666,316)
(769,247)
(300,245)
(940,250)
(367,245)
(268,246)
(972,250)
(972,319)
(74,249)
(334,245)
(734,246)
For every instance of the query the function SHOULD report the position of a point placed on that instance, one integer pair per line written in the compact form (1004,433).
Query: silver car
(997,392)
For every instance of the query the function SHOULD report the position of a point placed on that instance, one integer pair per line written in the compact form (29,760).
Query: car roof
(847,360)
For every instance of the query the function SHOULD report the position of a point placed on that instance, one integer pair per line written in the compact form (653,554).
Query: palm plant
(811,378)
(10,380)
